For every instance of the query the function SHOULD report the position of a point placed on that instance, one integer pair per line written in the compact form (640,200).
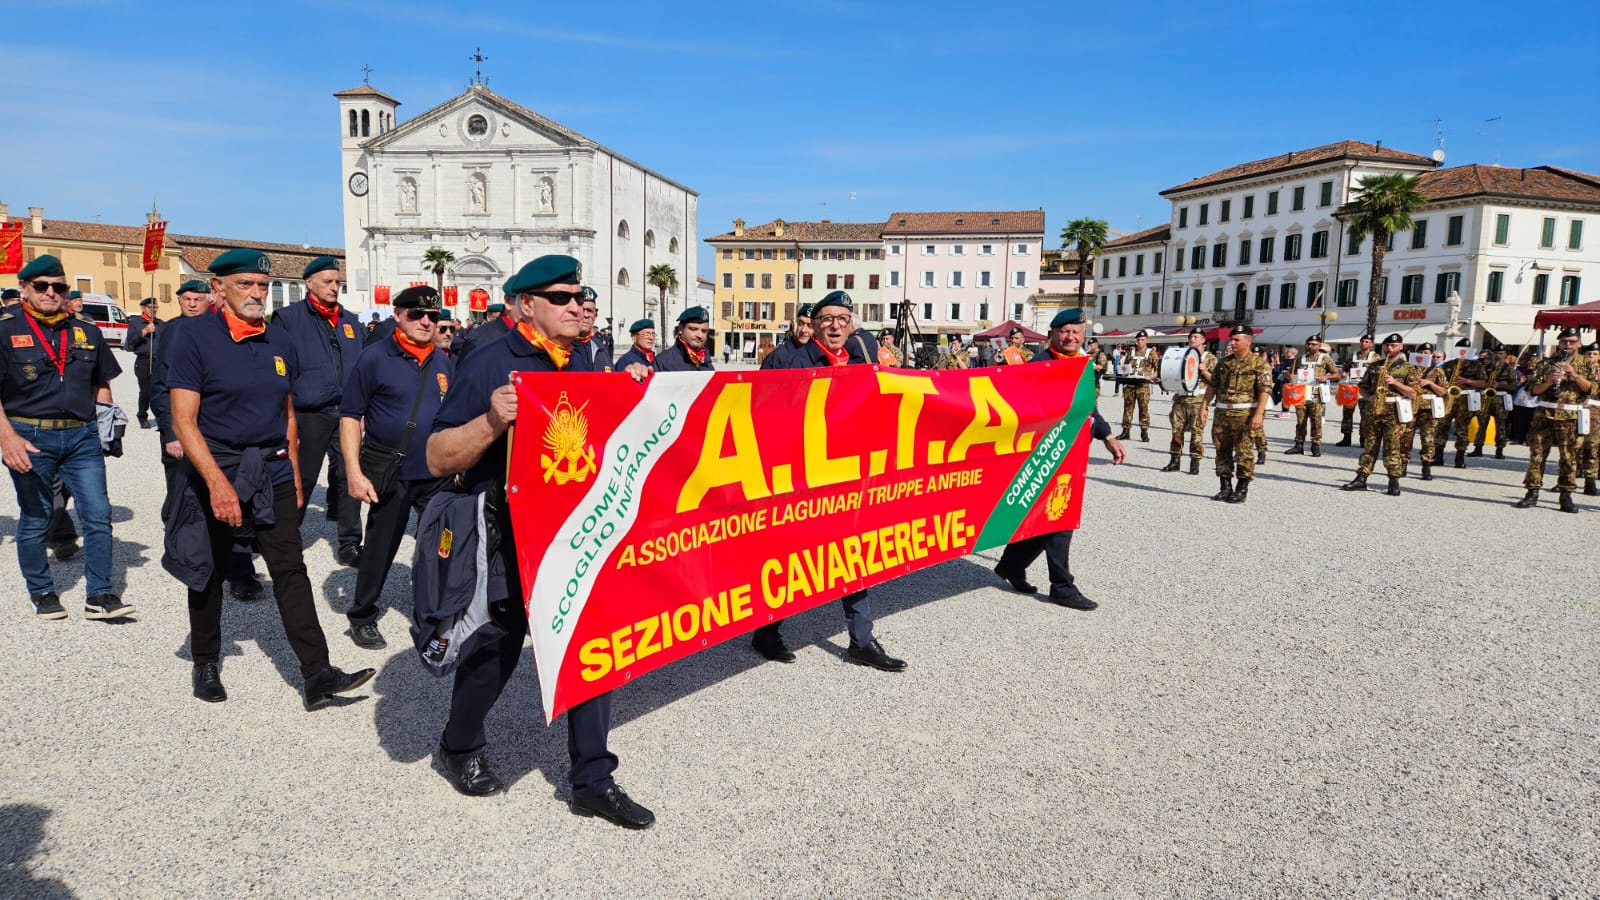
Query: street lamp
(1325,316)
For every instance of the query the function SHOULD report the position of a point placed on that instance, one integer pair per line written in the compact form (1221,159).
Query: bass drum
(1180,370)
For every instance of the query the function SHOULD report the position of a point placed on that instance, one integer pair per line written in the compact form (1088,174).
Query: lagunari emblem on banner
(1055,505)
(571,456)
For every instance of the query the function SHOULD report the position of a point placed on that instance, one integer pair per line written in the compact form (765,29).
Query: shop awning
(1293,335)
(1584,315)
(1513,335)
(1340,333)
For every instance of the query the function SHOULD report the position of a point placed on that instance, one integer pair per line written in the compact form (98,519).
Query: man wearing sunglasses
(688,353)
(470,440)
(55,369)
(445,332)
(327,341)
(643,351)
(389,405)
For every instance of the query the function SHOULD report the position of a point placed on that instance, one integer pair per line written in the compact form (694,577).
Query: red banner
(10,248)
(478,300)
(418,284)
(155,240)
(653,521)
(380,295)
(450,295)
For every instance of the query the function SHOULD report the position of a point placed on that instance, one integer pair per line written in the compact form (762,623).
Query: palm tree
(1088,237)
(436,260)
(1381,208)
(663,277)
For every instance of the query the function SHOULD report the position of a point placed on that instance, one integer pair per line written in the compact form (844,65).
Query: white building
(498,185)
(1259,243)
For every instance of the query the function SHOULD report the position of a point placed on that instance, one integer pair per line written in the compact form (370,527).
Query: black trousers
(319,440)
(240,565)
(62,530)
(857,618)
(280,547)
(483,675)
(1057,550)
(386,525)
(141,371)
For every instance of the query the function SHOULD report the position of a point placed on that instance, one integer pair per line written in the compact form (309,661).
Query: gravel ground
(1315,693)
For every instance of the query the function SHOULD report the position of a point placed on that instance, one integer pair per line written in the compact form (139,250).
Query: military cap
(10,294)
(1239,329)
(148,301)
(1314,338)
(804,312)
(694,314)
(1367,336)
(75,295)
(196,285)
(1498,348)
(1394,339)
(1093,340)
(495,307)
(590,295)
(1425,346)
(641,325)
(446,315)
(419,297)
(238,261)
(1142,333)
(1067,317)
(44,266)
(554,268)
(1592,348)
(1464,343)
(1569,332)
(320,264)
(834,298)
(1197,331)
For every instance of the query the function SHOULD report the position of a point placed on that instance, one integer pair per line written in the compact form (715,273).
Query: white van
(108,316)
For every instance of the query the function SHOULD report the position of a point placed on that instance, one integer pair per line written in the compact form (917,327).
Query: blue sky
(223,113)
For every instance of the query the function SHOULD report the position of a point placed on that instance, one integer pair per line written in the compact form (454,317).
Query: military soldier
(327,340)
(1589,455)
(1187,413)
(643,351)
(54,369)
(230,378)
(1563,383)
(1460,377)
(1384,386)
(1365,358)
(834,344)
(470,439)
(394,394)
(502,321)
(1144,365)
(1066,342)
(1313,369)
(799,338)
(888,353)
(688,353)
(597,344)
(1432,382)
(1500,389)
(1014,354)
(140,339)
(1098,359)
(1241,384)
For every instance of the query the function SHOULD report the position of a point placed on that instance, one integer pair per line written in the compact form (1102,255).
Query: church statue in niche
(408,195)
(480,193)
(547,196)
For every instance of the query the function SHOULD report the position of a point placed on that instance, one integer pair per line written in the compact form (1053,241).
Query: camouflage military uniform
(1238,383)
(1386,434)
(1186,415)
(1308,415)
(1101,364)
(1432,428)
(1145,365)
(1347,418)
(1496,408)
(1555,423)
(1456,410)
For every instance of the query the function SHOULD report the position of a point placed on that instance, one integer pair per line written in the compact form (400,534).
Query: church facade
(497,185)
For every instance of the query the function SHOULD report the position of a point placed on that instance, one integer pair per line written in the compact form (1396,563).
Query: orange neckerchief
(834,359)
(509,322)
(584,339)
(650,355)
(331,313)
(52,321)
(698,357)
(1059,355)
(558,354)
(418,352)
(239,329)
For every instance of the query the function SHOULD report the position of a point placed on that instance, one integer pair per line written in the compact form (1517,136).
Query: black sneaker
(48,605)
(106,606)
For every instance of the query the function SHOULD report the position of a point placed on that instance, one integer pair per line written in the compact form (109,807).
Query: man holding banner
(1066,342)
(643,351)
(470,439)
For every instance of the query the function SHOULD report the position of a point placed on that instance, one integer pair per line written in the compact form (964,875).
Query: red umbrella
(1003,330)
(1584,315)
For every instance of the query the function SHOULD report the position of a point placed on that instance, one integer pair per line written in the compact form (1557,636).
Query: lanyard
(60,362)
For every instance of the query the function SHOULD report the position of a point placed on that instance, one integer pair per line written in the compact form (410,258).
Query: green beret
(1067,317)
(148,301)
(320,264)
(641,325)
(804,312)
(835,298)
(445,315)
(43,266)
(1245,330)
(495,308)
(195,285)
(419,297)
(75,295)
(1394,339)
(544,271)
(237,261)
(694,314)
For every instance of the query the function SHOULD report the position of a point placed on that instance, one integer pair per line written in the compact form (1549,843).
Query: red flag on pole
(450,295)
(155,237)
(10,248)
(478,300)
(380,295)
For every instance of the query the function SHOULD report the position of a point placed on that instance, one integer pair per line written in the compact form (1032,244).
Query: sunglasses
(559,298)
(416,315)
(60,287)
(446,329)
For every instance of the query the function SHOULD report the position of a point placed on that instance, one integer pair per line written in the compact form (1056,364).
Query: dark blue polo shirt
(489,367)
(382,391)
(242,385)
(597,350)
(634,355)
(33,387)
(160,396)
(327,354)
(674,359)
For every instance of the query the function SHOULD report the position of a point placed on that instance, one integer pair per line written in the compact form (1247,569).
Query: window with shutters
(1569,290)
(1197,256)
(788,312)
(1444,284)
(1272,203)
(1263,296)
(727,280)
(1452,231)
(1219,256)
(1347,292)
(805,281)
(1183,217)
(833,282)
(1298,200)
(1286,295)
(1575,235)
(1249,210)
(766,281)
(1291,247)
(1319,244)
(1205,213)
(872,282)
(849,282)
(1497,282)
(1267,249)
(1225,211)
(1410,290)
(1502,229)
(727,309)
(749,281)
(1541,290)
(1197,296)
(111,289)
(1419,235)
(1326,199)
(1547,233)
(1138,264)
(788,281)
(1244,252)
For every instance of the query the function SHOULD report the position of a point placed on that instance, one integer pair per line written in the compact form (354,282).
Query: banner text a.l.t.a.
(653,521)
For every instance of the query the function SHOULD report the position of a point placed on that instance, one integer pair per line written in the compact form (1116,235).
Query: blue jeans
(74,455)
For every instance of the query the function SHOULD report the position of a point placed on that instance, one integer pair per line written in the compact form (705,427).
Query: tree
(436,261)
(664,278)
(1381,208)
(1088,237)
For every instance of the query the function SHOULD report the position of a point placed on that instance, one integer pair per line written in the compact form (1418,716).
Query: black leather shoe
(1567,506)
(1499,453)
(1316,449)
(1591,488)
(1476,451)
(469,773)
(246,588)
(208,683)
(613,806)
(367,637)
(1194,466)
(1461,459)
(348,556)
(873,655)
(1226,491)
(1019,583)
(1394,487)
(1123,436)
(1343,442)
(321,687)
(64,549)
(773,648)
(1529,500)
(1358,483)
(1171,466)
(1261,457)
(1074,600)
(1144,435)
(1298,449)
(1242,492)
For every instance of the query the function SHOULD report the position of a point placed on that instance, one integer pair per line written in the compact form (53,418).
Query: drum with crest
(1180,371)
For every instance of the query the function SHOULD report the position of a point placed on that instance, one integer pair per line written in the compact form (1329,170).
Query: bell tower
(364,113)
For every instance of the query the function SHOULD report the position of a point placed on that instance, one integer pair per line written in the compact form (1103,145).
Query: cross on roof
(478,57)
(366,74)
